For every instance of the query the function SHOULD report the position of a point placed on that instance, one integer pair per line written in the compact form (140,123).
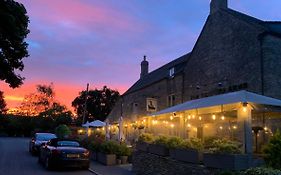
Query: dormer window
(172,72)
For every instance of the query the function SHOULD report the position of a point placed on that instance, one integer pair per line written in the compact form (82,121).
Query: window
(171,100)
(172,72)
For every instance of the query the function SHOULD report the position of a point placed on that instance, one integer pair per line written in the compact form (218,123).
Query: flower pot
(186,155)
(107,159)
(124,159)
(94,155)
(160,150)
(118,161)
(227,161)
(142,146)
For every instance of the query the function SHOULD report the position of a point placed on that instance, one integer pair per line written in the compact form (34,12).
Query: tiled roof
(159,74)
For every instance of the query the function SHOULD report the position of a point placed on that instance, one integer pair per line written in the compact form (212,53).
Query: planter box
(124,159)
(160,150)
(94,155)
(107,159)
(186,155)
(227,161)
(142,146)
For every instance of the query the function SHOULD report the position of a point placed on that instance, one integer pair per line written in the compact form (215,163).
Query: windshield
(45,137)
(68,143)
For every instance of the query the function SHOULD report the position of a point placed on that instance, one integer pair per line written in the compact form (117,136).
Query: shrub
(224,146)
(62,131)
(260,171)
(273,151)
(161,140)
(109,147)
(208,141)
(123,150)
(174,142)
(192,143)
(146,137)
(94,146)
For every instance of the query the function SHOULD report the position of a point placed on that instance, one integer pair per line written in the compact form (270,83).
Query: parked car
(64,153)
(38,140)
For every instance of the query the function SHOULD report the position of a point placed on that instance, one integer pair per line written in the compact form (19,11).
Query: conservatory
(241,116)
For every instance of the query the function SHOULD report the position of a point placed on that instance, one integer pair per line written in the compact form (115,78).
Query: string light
(188,117)
(221,127)
(171,117)
(200,118)
(172,125)
(222,117)
(214,117)
(193,116)
(265,128)
(188,125)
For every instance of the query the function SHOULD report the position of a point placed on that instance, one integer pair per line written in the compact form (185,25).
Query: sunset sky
(102,42)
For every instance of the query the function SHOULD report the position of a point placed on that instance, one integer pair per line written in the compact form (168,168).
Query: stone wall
(271,46)
(160,91)
(148,164)
(227,52)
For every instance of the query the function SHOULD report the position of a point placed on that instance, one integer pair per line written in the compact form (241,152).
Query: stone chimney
(144,67)
(217,4)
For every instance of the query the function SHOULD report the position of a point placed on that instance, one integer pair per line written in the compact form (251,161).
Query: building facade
(234,52)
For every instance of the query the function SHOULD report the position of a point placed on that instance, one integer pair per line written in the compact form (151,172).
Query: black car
(38,140)
(64,153)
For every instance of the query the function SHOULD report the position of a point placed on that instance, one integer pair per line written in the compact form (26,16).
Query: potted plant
(225,154)
(143,141)
(107,153)
(123,153)
(187,150)
(159,146)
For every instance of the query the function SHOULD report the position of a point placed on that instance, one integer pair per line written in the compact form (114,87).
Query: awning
(96,123)
(229,98)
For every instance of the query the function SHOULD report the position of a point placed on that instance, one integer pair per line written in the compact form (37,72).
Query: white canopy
(86,124)
(229,98)
(96,123)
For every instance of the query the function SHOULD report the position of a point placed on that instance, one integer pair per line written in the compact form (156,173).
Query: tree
(2,103)
(273,151)
(99,103)
(42,103)
(62,131)
(13,30)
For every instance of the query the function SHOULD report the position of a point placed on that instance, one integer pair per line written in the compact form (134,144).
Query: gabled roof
(229,98)
(159,74)
(269,26)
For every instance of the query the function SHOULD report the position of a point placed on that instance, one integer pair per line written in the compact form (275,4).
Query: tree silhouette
(99,103)
(13,30)
(2,103)
(43,103)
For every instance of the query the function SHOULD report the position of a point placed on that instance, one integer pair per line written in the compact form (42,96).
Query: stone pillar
(182,126)
(149,124)
(244,117)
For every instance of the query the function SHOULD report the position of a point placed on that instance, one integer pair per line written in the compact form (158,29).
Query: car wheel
(86,167)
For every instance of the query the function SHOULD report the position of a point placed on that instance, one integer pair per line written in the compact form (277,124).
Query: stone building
(233,52)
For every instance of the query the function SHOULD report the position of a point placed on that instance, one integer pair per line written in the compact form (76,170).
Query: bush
(161,140)
(146,137)
(62,131)
(208,141)
(174,142)
(273,151)
(123,150)
(260,171)
(224,146)
(196,143)
(109,147)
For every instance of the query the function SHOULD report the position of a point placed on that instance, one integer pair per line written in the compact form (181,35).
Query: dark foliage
(13,30)
(99,103)
(2,103)
(24,126)
(273,151)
